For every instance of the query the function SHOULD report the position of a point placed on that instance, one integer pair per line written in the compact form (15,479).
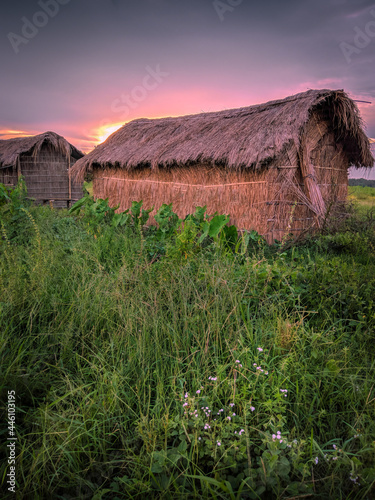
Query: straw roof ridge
(12,149)
(247,137)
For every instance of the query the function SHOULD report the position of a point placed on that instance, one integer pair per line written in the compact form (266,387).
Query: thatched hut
(274,167)
(45,162)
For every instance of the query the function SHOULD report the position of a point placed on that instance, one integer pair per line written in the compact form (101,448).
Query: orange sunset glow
(105,131)
(10,134)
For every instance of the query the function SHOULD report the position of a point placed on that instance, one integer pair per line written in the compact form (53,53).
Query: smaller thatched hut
(276,167)
(45,162)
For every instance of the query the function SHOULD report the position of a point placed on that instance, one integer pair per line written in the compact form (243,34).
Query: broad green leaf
(229,235)
(205,229)
(78,204)
(216,224)
(136,210)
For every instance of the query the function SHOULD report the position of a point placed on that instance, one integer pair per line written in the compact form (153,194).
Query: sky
(82,68)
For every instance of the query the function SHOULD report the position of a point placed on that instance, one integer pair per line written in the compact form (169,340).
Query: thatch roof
(11,149)
(248,137)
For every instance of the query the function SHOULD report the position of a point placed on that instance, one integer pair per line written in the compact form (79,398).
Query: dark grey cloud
(92,51)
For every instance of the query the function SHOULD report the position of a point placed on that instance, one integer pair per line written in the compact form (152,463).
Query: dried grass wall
(331,169)
(252,199)
(328,161)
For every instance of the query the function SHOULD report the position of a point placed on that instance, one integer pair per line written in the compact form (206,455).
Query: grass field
(362,197)
(163,364)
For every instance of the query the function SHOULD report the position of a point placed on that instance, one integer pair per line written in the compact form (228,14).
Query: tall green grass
(196,375)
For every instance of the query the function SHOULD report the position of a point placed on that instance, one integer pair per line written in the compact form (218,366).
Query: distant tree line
(362,182)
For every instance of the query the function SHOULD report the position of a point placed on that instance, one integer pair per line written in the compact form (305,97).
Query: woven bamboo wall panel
(47,178)
(8,176)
